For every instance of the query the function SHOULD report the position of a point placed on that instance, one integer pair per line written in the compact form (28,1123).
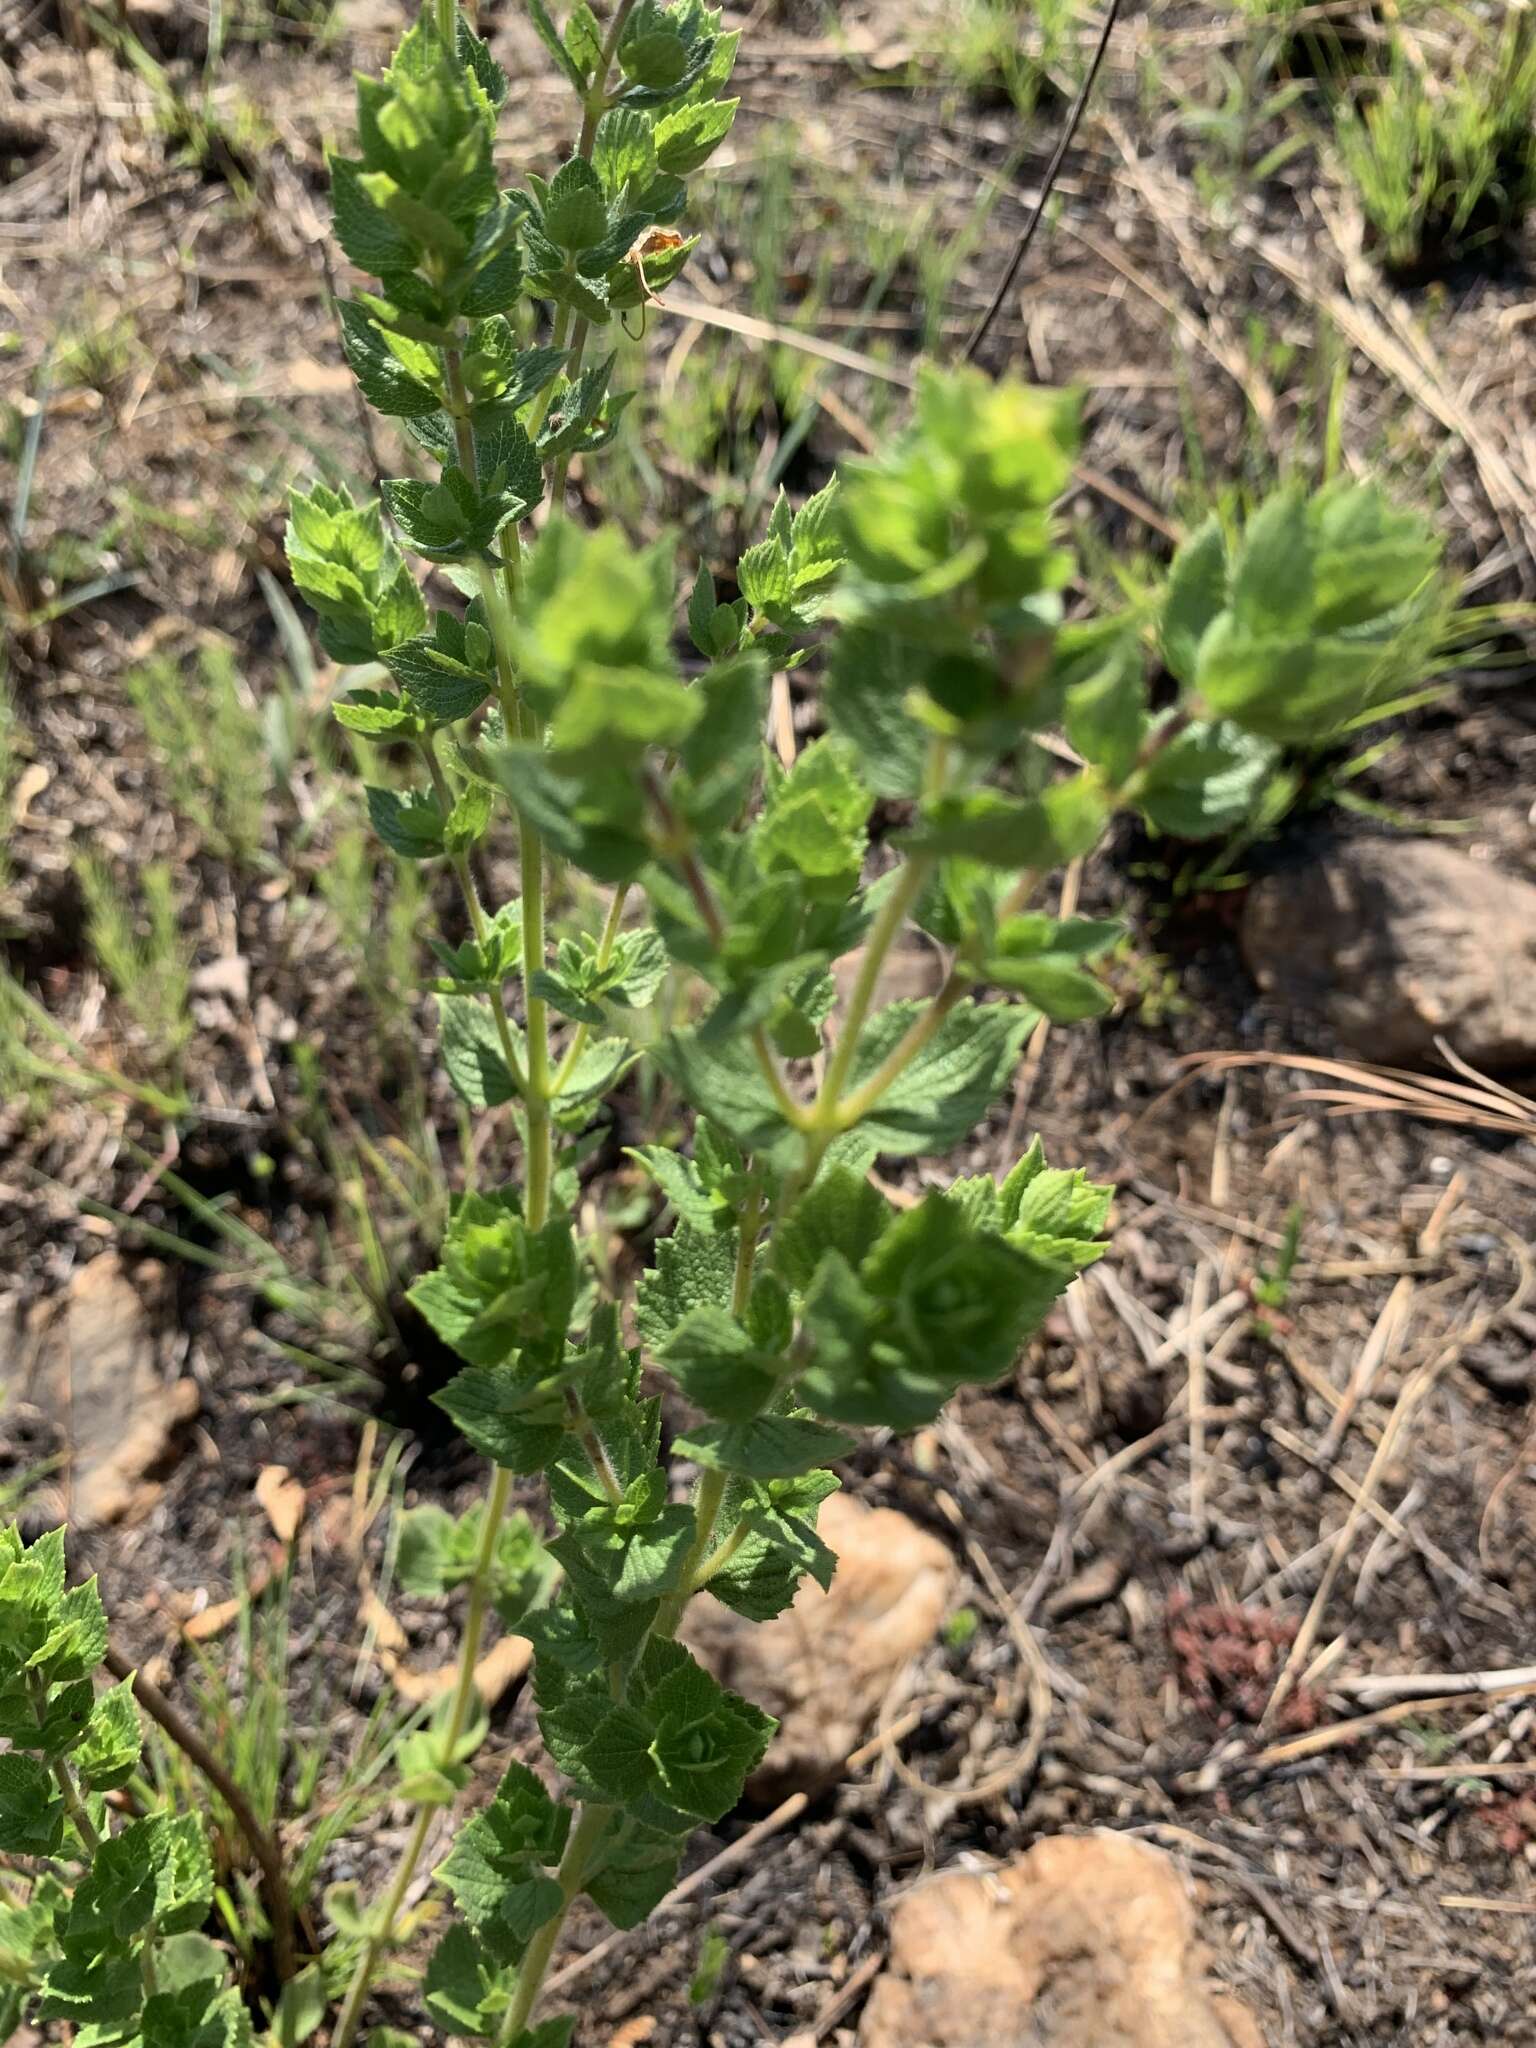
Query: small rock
(1087,1941)
(1393,943)
(89,1362)
(824,1666)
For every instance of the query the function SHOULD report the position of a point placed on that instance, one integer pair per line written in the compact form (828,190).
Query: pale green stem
(458,1715)
(887,928)
(922,1028)
(585,1835)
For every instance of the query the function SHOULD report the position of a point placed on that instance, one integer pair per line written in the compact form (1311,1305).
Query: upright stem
(584,1838)
(888,926)
(534,1085)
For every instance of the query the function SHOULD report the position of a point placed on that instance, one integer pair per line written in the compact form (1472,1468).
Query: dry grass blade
(1487,1106)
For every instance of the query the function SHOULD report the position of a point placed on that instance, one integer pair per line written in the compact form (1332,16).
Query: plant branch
(886,930)
(584,1838)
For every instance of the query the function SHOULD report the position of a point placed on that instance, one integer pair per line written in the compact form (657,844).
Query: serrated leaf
(410,825)
(693,1269)
(31,1811)
(384,380)
(688,136)
(108,1752)
(839,1212)
(952,1082)
(489,1408)
(719,1366)
(768,1447)
(1196,593)
(472,1052)
(458,1982)
(439,686)
(575,216)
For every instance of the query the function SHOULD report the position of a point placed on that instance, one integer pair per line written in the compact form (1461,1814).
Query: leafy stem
(64,1777)
(381,1936)
(585,1836)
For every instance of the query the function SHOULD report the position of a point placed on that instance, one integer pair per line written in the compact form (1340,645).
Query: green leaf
(638,1867)
(768,1447)
(814,821)
(1196,593)
(693,1269)
(1272,578)
(575,215)
(118,1895)
(94,1992)
(839,1212)
(31,1811)
(386,382)
(410,825)
(1015,832)
(624,150)
(497,1867)
(549,36)
(108,1753)
(1206,781)
(438,674)
(183,1872)
(949,1086)
(871,676)
(376,715)
(459,1982)
(725,1082)
(197,2015)
(1106,713)
(688,136)
(472,1052)
(490,1408)
(760,1580)
(369,238)
(706,1741)
(718,1365)
(301,2007)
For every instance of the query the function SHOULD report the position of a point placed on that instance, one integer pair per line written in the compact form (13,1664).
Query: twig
(1047,184)
(263,1846)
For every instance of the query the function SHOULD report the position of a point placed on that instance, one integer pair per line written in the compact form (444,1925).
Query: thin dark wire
(1052,173)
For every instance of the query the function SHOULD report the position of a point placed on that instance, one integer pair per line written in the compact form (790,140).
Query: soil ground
(172,317)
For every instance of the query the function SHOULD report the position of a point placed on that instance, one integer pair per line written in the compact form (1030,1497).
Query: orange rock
(1087,1941)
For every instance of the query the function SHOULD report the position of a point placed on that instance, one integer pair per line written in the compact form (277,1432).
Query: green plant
(1445,167)
(1321,614)
(207,738)
(793,1301)
(106,1934)
(140,950)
